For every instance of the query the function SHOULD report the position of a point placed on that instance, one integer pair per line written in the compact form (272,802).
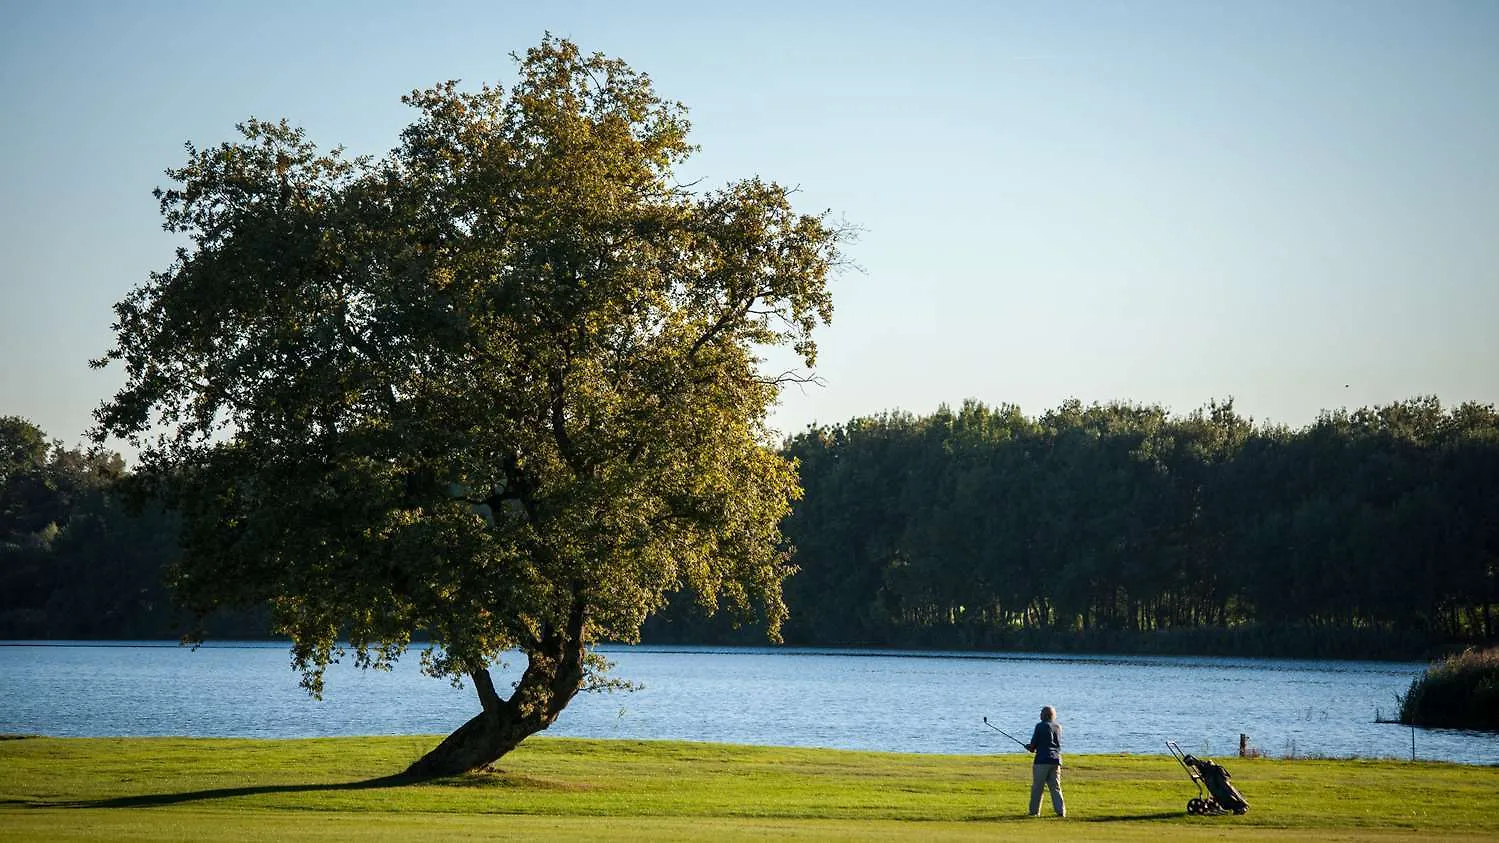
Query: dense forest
(1120,527)
(1371,533)
(74,561)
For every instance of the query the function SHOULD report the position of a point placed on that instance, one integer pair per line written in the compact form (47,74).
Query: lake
(874,700)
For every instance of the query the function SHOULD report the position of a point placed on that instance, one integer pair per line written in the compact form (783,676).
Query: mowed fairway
(566,789)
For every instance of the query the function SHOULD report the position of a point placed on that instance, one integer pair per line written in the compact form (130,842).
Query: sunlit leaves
(502,372)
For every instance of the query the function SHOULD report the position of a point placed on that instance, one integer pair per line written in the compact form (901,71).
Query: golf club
(1001,731)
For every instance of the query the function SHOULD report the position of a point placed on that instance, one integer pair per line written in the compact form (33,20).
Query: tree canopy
(498,387)
(1119,526)
(1106,528)
(73,561)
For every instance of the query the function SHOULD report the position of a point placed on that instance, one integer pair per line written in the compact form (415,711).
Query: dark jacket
(1046,742)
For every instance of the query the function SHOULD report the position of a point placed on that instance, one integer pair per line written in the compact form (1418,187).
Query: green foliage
(627,790)
(23,447)
(1367,534)
(1118,527)
(74,563)
(1459,692)
(497,387)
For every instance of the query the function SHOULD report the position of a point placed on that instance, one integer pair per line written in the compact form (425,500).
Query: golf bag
(1222,795)
(1215,778)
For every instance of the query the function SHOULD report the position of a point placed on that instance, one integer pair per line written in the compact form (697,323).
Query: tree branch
(485,686)
(793,376)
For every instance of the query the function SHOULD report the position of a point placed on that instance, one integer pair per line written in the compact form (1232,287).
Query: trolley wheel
(1212,807)
(1194,806)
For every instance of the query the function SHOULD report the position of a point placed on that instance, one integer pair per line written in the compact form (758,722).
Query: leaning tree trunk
(552,677)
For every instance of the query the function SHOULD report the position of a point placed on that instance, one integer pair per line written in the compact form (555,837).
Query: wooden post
(1243,745)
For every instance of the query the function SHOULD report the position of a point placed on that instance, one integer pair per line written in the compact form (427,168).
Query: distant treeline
(1372,533)
(75,562)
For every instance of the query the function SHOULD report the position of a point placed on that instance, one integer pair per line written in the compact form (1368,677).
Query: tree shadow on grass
(153,800)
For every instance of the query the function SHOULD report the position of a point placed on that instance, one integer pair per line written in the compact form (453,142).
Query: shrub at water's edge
(1459,692)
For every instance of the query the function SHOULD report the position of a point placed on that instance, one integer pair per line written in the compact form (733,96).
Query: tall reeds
(1459,692)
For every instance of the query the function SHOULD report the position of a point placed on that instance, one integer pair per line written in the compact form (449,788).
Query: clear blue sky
(1161,202)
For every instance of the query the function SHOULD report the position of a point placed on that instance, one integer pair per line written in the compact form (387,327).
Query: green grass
(561,789)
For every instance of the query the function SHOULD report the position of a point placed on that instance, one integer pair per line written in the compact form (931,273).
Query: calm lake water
(877,700)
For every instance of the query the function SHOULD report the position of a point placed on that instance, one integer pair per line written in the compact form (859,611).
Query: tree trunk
(554,674)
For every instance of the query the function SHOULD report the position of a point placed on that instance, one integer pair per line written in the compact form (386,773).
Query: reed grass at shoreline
(1458,692)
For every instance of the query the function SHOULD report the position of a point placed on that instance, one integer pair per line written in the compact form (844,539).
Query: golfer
(1046,770)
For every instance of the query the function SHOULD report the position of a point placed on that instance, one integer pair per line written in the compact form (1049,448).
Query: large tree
(498,388)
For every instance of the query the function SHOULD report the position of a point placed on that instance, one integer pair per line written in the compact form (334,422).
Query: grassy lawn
(560,789)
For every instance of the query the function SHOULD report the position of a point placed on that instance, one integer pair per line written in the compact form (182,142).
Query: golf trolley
(1221,797)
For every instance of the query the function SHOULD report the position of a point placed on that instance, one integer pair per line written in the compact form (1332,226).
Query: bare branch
(794,376)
